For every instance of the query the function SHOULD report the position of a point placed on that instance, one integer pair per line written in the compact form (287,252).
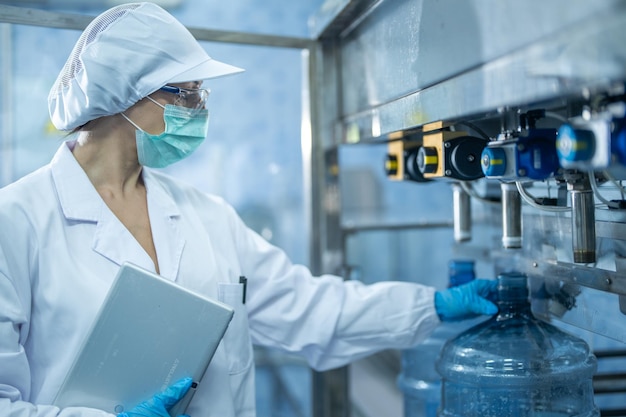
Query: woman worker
(132,92)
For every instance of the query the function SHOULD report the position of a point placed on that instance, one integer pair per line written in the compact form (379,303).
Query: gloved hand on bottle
(466,301)
(160,404)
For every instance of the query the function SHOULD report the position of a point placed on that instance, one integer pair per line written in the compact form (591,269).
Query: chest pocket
(237,338)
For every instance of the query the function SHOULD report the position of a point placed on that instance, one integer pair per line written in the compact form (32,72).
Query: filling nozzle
(511,216)
(462,214)
(583,221)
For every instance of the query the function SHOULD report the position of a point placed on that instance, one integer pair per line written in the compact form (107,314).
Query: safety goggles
(194,99)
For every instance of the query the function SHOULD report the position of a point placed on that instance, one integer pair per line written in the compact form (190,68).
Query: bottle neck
(512,296)
(509,309)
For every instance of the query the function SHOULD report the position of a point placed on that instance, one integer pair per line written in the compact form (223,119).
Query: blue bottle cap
(460,271)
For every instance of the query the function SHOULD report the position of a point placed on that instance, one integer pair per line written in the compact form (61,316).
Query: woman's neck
(107,152)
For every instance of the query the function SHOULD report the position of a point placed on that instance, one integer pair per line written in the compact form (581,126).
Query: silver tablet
(149,333)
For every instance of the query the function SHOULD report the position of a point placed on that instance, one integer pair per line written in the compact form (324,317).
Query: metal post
(511,216)
(330,388)
(462,207)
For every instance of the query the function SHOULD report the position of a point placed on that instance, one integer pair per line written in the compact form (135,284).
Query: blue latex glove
(159,405)
(466,301)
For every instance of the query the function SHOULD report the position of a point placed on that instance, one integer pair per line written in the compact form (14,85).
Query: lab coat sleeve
(327,320)
(17,263)
(14,365)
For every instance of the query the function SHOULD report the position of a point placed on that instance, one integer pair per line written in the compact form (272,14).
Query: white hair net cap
(125,54)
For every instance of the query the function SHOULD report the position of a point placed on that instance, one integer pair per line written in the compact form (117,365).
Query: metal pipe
(511,216)
(357,228)
(583,223)
(35,17)
(462,214)
(609,383)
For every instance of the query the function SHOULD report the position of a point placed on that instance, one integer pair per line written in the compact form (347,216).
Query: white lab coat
(60,248)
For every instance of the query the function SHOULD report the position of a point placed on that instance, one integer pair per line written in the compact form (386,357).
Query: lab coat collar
(80,201)
(79,198)
(158,195)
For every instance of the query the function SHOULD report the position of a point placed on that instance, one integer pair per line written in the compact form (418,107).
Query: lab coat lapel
(113,241)
(78,197)
(164,219)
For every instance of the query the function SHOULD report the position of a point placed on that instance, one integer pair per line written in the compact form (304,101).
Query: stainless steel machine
(519,106)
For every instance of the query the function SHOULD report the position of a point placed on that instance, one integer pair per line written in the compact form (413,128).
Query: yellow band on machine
(391,164)
(428,160)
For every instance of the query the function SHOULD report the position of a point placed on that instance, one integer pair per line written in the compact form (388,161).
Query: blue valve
(618,141)
(575,145)
(531,156)
(536,156)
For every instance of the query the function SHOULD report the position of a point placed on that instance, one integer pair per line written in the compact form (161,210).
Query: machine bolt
(521,172)
(447,144)
(535,264)
(608,281)
(471,158)
(448,172)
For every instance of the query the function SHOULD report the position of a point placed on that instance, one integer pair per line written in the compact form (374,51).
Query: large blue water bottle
(419,381)
(516,365)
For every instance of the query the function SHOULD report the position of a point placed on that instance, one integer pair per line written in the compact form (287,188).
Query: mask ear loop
(155,102)
(135,124)
(131,122)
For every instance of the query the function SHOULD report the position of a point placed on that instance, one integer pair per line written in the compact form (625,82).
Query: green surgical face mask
(185,130)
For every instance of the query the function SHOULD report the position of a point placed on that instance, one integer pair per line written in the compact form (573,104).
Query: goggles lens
(190,98)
